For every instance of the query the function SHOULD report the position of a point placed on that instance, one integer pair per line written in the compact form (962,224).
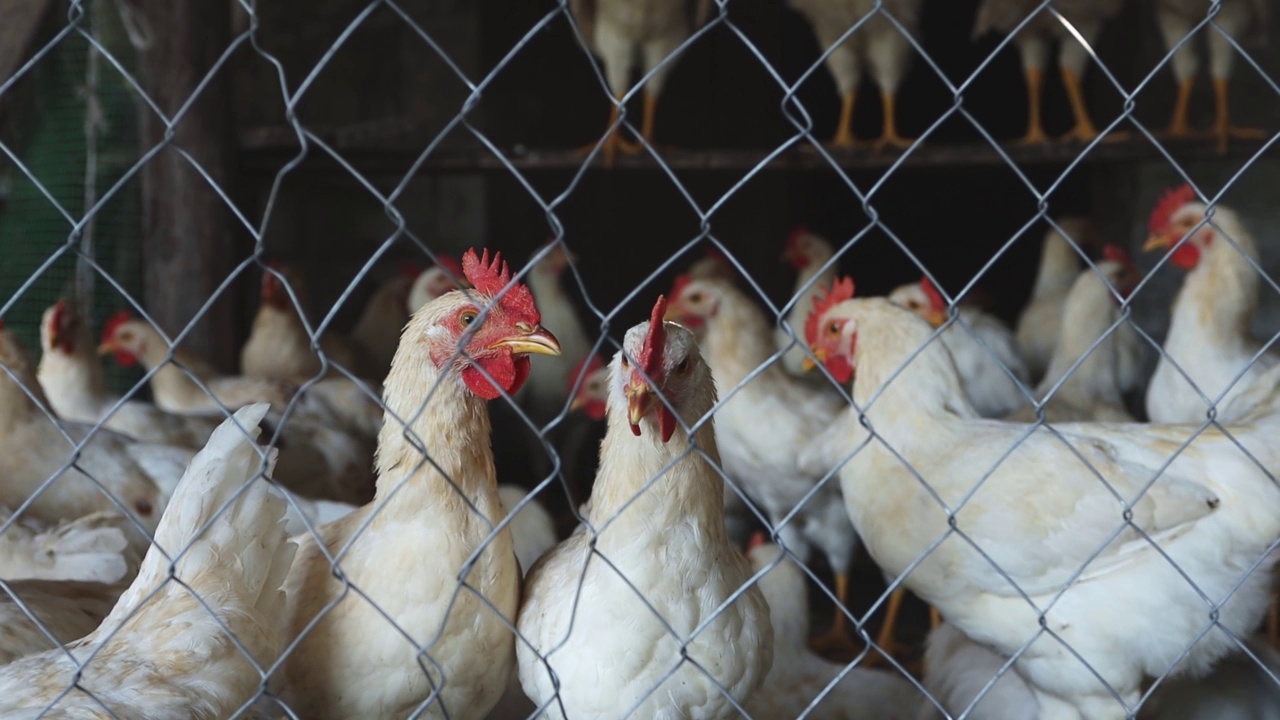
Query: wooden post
(188,247)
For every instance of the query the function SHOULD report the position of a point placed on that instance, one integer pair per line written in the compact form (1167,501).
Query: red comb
(936,301)
(119,318)
(1170,202)
(450,263)
(680,284)
(1117,254)
(757,539)
(655,342)
(491,277)
(583,368)
(59,312)
(841,290)
(796,233)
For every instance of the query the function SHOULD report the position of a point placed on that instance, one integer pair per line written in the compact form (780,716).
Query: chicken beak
(537,341)
(936,317)
(577,404)
(1157,241)
(640,400)
(106,348)
(808,363)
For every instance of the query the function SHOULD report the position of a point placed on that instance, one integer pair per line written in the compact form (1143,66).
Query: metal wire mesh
(1084,564)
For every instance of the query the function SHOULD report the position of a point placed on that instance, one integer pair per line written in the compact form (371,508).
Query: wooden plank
(188,246)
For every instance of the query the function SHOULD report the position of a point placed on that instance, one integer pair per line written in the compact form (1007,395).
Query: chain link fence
(662,457)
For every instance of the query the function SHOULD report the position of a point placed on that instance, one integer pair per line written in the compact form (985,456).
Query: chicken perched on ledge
(1076,40)
(985,351)
(1231,22)
(622,31)
(680,632)
(1208,341)
(72,377)
(878,42)
(1047,546)
(429,529)
(162,653)
(1037,328)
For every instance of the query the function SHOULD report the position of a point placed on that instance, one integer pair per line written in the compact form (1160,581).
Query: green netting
(32,229)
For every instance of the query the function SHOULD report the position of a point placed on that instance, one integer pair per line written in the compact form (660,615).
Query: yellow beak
(808,364)
(1157,241)
(936,317)
(106,348)
(578,403)
(640,400)
(538,341)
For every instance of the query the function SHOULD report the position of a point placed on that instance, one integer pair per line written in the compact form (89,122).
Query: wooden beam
(188,245)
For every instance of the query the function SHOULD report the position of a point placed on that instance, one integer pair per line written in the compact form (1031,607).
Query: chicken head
(695,300)
(487,333)
(593,392)
(832,334)
(659,361)
(123,337)
(59,328)
(1179,214)
(923,299)
(804,249)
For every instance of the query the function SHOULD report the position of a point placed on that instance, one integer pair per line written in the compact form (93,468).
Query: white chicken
(810,255)
(433,282)
(682,637)
(1083,20)
(1094,389)
(619,32)
(221,540)
(1209,356)
(52,614)
(1052,558)
(799,678)
(765,420)
(985,351)
(1231,21)
(72,377)
(92,548)
(381,651)
(377,331)
(878,42)
(1037,328)
(279,346)
(110,471)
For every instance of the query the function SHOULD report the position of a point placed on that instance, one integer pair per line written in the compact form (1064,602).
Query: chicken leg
(844,139)
(612,141)
(889,137)
(1035,127)
(1223,130)
(838,642)
(1179,128)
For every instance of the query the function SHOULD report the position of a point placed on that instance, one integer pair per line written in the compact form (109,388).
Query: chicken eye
(126,336)
(625,362)
(467,317)
(683,366)
(695,298)
(834,328)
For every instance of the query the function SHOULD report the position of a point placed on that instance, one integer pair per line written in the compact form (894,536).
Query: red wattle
(840,368)
(1187,256)
(509,373)
(666,423)
(125,359)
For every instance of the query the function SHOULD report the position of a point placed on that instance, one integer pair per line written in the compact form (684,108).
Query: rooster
(1230,21)
(1209,357)
(619,32)
(878,42)
(1059,525)
(763,457)
(432,283)
(1083,20)
(1037,328)
(279,345)
(108,471)
(1109,359)
(660,625)
(985,351)
(73,379)
(365,653)
(799,678)
(810,256)
(213,574)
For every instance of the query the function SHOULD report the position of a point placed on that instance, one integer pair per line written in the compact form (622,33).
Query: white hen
(222,539)
(92,548)
(1037,328)
(658,626)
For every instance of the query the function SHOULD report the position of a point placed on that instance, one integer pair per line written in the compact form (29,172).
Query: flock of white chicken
(1081,563)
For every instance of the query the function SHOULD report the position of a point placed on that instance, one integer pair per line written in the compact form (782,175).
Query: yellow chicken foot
(611,144)
(889,137)
(1035,127)
(838,642)
(844,139)
(1179,128)
(1084,130)
(1223,130)
(646,125)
